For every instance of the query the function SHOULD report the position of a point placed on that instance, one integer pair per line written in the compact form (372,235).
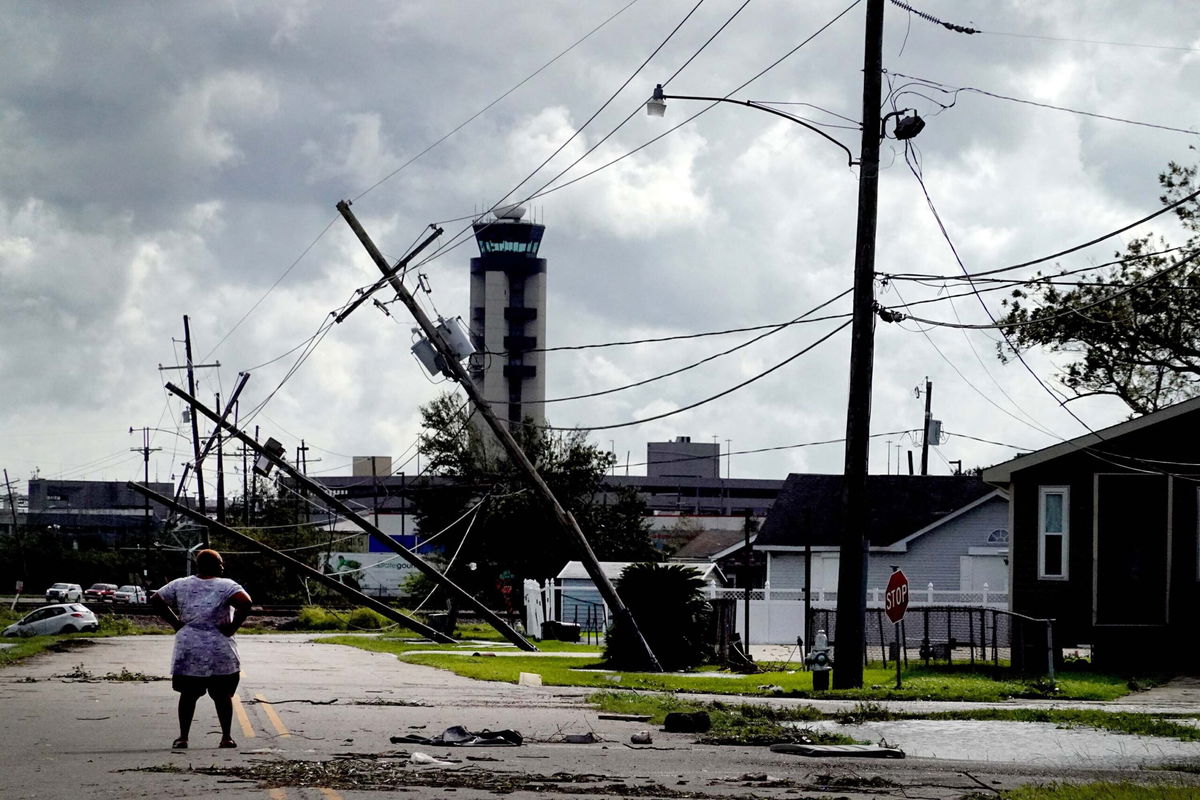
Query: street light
(656,106)
(852,566)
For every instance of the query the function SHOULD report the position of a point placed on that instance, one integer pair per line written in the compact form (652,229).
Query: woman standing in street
(205,610)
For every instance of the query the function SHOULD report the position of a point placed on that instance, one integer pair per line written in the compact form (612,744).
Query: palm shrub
(667,600)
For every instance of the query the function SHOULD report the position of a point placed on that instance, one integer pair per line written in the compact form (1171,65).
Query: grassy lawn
(919,683)
(1128,722)
(24,647)
(1098,791)
(732,723)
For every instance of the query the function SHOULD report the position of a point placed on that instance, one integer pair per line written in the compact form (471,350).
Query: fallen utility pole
(299,566)
(375,533)
(505,437)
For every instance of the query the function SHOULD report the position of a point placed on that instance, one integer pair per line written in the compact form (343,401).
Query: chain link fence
(1003,641)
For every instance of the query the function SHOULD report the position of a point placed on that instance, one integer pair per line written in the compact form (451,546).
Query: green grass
(110,625)
(1099,791)
(1128,722)
(919,683)
(24,648)
(741,724)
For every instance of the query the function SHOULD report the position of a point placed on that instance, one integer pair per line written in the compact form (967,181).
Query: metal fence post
(971,634)
(1050,648)
(925,638)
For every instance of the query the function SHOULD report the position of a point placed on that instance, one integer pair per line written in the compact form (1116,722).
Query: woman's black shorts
(215,685)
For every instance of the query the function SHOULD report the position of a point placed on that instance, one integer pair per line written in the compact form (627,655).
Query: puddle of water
(1037,743)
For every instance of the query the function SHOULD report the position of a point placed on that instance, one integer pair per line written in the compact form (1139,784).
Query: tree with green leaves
(497,530)
(1132,332)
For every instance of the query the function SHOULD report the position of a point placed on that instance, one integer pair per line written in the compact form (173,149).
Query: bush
(668,603)
(312,618)
(367,618)
(117,626)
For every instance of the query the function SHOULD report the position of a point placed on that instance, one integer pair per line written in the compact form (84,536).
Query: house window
(998,536)
(1053,532)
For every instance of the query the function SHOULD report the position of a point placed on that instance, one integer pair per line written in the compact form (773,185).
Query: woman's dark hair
(209,562)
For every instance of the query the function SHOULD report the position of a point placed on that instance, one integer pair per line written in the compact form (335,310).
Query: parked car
(64,593)
(100,592)
(130,594)
(59,618)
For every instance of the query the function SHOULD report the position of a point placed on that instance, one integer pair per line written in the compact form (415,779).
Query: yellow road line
(280,728)
(243,720)
(329,794)
(277,793)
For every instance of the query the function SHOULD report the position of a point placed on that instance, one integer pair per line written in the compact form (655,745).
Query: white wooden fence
(776,615)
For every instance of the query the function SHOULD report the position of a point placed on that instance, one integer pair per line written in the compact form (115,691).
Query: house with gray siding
(949,533)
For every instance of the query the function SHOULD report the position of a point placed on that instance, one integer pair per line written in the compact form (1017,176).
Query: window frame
(1064,534)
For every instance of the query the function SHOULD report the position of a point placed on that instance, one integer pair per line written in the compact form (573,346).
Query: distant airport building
(683,458)
(508,315)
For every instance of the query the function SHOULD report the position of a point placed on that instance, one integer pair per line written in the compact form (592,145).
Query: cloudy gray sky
(162,159)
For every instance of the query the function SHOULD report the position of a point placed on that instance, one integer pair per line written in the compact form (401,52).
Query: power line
(955,90)
(677,337)
(483,110)
(929,279)
(548,189)
(278,281)
(711,398)
(1002,326)
(1092,41)
(672,373)
(1095,452)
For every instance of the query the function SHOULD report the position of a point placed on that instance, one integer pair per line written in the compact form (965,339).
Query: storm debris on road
(80,675)
(838,750)
(687,722)
(370,774)
(458,736)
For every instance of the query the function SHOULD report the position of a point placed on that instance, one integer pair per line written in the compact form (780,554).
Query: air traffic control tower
(508,320)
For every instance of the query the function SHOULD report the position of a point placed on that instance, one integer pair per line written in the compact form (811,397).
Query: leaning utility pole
(276,459)
(299,566)
(505,437)
(850,632)
(12,503)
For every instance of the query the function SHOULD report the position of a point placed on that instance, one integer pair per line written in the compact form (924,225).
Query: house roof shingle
(809,507)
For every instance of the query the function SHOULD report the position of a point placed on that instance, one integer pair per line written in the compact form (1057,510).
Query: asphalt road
(314,721)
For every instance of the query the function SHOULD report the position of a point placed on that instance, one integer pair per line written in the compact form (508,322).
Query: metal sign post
(895,603)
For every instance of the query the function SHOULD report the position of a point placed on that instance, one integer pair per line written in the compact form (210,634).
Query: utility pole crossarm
(388,274)
(504,436)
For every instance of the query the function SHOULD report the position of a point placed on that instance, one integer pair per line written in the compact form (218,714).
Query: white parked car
(49,620)
(64,593)
(130,594)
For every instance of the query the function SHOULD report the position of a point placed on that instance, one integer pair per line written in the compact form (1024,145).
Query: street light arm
(769,110)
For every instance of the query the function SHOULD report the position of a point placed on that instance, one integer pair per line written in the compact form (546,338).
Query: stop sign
(895,598)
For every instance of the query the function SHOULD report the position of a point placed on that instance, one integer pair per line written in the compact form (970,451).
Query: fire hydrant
(820,661)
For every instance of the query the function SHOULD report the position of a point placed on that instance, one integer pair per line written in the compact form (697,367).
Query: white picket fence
(777,615)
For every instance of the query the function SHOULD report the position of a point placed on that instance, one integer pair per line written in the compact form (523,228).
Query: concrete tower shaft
(508,320)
